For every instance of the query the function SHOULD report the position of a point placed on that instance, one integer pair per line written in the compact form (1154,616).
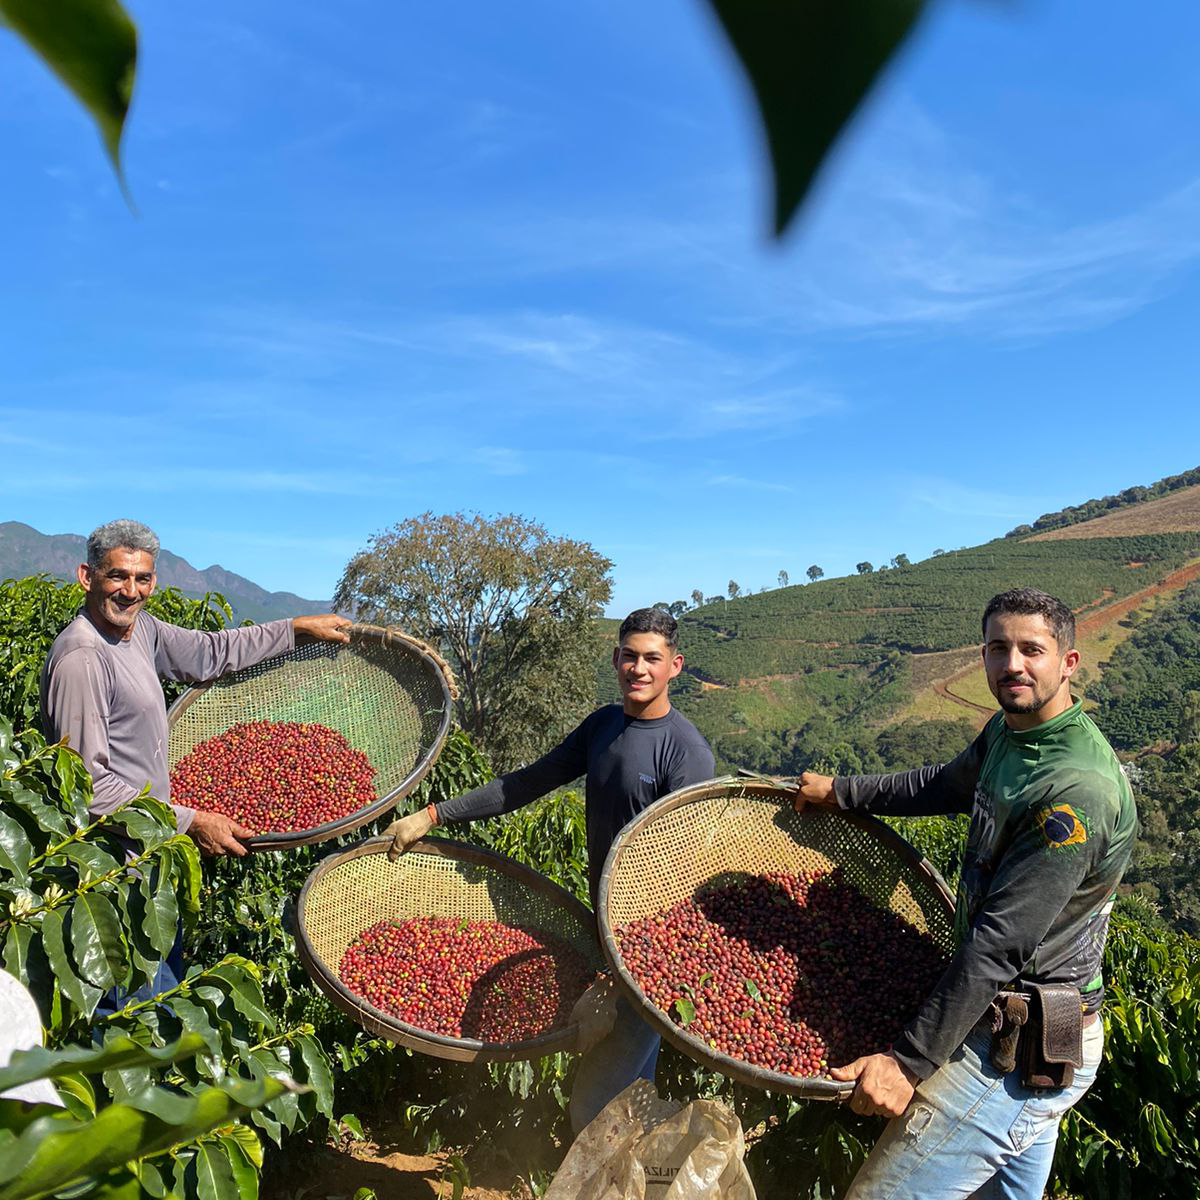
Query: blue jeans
(972,1132)
(628,1052)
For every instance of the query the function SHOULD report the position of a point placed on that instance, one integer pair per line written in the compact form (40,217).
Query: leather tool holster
(1010,1013)
(1041,1027)
(1050,1057)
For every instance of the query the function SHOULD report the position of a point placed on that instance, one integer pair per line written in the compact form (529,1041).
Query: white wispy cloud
(921,239)
(742,481)
(962,500)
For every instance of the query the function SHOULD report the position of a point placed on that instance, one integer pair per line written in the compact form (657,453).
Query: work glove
(406,831)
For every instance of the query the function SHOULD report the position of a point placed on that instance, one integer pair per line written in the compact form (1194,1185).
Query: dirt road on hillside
(1095,620)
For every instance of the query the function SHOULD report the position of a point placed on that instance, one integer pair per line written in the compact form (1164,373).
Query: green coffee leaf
(91,45)
(752,989)
(250,1146)
(15,850)
(46,817)
(118,1051)
(162,913)
(243,1167)
(82,995)
(316,1073)
(198,1020)
(245,990)
(96,940)
(810,66)
(55,1152)
(685,1010)
(77,1094)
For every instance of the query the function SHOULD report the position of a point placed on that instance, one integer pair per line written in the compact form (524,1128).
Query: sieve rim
(375,1020)
(399,642)
(688,1044)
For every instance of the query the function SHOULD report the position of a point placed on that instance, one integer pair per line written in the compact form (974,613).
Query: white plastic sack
(644,1148)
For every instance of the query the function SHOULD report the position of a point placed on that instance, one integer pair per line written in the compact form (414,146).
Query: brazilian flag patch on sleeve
(1060,826)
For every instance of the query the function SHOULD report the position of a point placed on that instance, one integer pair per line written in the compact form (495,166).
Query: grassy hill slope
(779,679)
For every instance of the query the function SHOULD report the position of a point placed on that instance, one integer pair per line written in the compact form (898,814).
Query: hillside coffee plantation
(245,1079)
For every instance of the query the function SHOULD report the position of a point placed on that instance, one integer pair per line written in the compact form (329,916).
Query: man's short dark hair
(1032,603)
(650,620)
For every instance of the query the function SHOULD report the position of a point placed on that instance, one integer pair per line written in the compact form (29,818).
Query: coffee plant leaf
(91,45)
(96,940)
(15,851)
(55,1152)
(313,1069)
(46,819)
(82,996)
(117,1052)
(810,66)
(210,1174)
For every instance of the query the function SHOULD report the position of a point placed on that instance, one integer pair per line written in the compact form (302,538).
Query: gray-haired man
(101,681)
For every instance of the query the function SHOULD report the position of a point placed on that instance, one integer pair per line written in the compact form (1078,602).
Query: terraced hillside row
(929,606)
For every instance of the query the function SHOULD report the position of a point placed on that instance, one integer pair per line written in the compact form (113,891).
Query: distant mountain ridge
(25,551)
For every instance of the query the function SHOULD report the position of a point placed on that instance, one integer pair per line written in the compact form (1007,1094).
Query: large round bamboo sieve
(727,828)
(387,693)
(351,891)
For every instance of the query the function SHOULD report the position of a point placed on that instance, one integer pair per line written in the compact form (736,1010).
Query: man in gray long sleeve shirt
(100,685)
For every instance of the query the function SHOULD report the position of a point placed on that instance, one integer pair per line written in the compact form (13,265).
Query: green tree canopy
(513,608)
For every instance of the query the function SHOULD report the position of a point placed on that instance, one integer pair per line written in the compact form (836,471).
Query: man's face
(118,588)
(645,664)
(1026,670)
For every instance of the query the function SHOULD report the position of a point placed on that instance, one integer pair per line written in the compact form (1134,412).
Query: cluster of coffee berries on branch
(275,776)
(791,973)
(484,980)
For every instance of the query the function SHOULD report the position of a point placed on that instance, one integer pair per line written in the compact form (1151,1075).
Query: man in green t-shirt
(1053,824)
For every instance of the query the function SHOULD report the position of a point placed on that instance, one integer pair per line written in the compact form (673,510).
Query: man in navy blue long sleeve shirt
(631,754)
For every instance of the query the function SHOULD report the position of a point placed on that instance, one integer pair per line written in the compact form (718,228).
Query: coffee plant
(156,1140)
(91,907)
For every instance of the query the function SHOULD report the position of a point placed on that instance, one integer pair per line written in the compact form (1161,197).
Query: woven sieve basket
(349,892)
(729,827)
(387,693)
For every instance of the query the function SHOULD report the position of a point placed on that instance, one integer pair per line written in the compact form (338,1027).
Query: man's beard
(1012,705)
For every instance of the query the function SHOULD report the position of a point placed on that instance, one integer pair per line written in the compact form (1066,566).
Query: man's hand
(596,1013)
(327,627)
(815,789)
(406,831)
(216,834)
(884,1088)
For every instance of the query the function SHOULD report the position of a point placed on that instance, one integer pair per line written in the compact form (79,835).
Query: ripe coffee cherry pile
(793,973)
(476,979)
(275,776)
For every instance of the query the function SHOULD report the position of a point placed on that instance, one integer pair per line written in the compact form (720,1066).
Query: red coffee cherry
(792,973)
(275,776)
(467,979)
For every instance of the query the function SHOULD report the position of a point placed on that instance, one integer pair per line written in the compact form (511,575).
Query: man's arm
(939,790)
(693,764)
(567,761)
(195,656)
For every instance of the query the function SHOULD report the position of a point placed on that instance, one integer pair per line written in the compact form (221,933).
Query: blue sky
(391,258)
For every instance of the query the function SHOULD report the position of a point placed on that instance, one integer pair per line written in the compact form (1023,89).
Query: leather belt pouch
(1051,1045)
